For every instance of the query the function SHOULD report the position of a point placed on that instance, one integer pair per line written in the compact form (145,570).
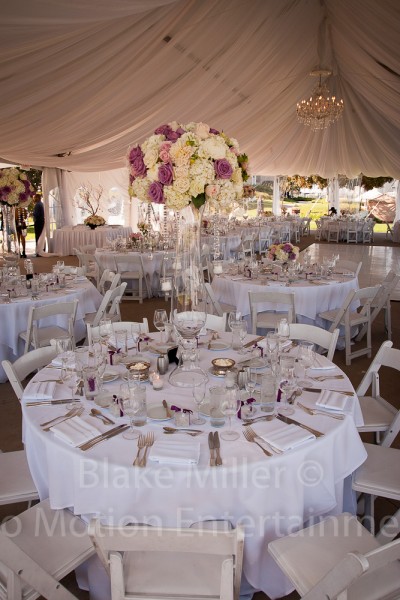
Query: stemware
(230,406)
(251,381)
(69,378)
(199,392)
(234,317)
(159,320)
(105,330)
(129,407)
(242,332)
(305,360)
(288,383)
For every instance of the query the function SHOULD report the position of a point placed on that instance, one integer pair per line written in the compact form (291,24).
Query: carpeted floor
(10,415)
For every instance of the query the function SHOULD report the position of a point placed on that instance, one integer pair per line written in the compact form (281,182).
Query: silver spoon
(99,415)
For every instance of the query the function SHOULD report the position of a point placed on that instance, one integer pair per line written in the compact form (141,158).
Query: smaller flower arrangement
(283,252)
(94,221)
(249,191)
(136,236)
(15,188)
(144,228)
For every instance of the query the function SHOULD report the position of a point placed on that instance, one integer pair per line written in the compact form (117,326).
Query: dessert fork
(314,411)
(141,443)
(250,436)
(149,441)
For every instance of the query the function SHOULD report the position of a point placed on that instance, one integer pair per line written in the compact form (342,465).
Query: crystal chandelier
(321,109)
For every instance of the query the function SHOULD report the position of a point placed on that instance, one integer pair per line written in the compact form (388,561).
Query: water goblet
(199,392)
(105,330)
(159,320)
(69,378)
(230,406)
(242,335)
(305,360)
(287,387)
(128,410)
(251,381)
(234,317)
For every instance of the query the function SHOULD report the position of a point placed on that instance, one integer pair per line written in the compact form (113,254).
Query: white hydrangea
(175,200)
(213,147)
(140,188)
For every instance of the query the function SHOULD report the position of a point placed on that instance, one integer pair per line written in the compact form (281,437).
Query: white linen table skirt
(67,238)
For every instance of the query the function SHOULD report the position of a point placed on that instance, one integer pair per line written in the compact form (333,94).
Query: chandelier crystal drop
(321,109)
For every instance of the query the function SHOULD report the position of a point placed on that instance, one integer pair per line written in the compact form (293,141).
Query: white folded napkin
(287,437)
(75,431)
(331,400)
(175,453)
(40,390)
(58,360)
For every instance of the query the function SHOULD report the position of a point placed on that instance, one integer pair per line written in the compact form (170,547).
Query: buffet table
(270,496)
(67,238)
(14,316)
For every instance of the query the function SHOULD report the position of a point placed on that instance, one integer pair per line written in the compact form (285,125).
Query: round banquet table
(151,262)
(14,316)
(311,298)
(67,238)
(226,243)
(270,496)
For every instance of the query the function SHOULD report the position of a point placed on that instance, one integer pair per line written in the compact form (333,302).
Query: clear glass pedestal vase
(9,241)
(188,307)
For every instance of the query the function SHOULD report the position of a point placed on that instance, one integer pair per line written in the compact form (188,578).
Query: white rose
(151,157)
(197,186)
(181,184)
(202,130)
(152,174)
(139,189)
(182,171)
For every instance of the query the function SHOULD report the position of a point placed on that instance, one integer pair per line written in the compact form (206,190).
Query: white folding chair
(26,364)
(108,281)
(333,232)
(153,562)
(216,322)
(130,267)
(378,413)
(109,307)
(268,318)
(88,249)
(311,333)
(382,302)
(16,483)
(38,335)
(339,559)
(88,262)
(37,549)
(211,301)
(117,326)
(350,319)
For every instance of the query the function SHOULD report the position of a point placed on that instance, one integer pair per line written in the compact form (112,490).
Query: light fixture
(321,109)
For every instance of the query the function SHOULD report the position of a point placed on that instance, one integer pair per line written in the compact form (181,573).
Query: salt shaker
(162,364)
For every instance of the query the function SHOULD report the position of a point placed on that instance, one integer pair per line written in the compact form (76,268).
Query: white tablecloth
(271,496)
(14,317)
(226,243)
(310,298)
(67,238)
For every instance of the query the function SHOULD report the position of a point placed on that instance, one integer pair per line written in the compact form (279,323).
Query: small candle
(157,382)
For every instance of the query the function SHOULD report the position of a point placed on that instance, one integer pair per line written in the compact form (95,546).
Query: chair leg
(347,337)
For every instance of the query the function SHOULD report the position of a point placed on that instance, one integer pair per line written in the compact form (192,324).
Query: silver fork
(313,411)
(141,443)
(271,446)
(149,441)
(324,377)
(74,412)
(250,436)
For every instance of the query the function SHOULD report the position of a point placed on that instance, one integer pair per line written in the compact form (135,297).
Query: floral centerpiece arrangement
(89,202)
(15,188)
(144,228)
(188,164)
(283,252)
(94,221)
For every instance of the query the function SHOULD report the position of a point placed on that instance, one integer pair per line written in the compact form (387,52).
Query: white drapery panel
(333,194)
(85,80)
(276,197)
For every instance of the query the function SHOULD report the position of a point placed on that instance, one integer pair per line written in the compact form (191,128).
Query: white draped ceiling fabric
(82,80)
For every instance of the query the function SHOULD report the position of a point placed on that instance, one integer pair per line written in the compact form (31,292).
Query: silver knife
(290,421)
(313,389)
(50,402)
(258,339)
(211,446)
(217,445)
(104,436)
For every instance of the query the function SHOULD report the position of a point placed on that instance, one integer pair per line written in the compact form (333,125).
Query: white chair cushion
(16,483)
(381,471)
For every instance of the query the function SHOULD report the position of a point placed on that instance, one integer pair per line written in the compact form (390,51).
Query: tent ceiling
(85,79)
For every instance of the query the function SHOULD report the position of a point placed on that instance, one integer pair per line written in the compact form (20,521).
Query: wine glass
(251,381)
(159,320)
(130,407)
(234,317)
(288,383)
(199,392)
(69,378)
(230,406)
(135,335)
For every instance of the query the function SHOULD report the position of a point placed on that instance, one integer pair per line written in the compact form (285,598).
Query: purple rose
(172,135)
(162,130)
(223,169)
(138,168)
(135,153)
(165,174)
(131,178)
(180,131)
(287,247)
(214,131)
(156,193)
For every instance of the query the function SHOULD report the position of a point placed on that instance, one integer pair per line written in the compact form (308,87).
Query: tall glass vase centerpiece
(183,167)
(15,191)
